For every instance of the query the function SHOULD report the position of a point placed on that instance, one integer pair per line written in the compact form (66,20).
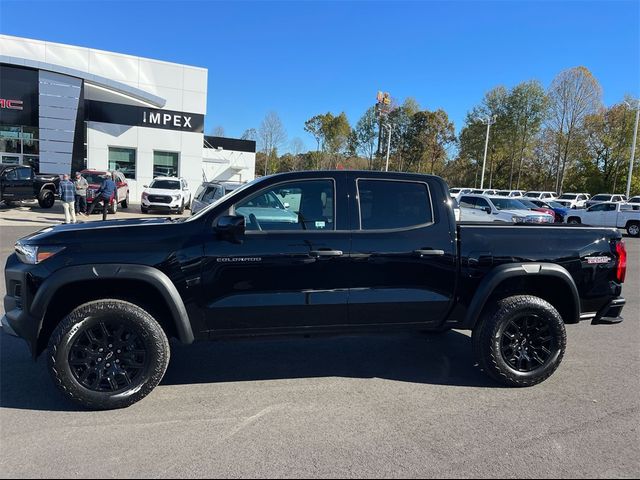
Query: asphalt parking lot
(389,406)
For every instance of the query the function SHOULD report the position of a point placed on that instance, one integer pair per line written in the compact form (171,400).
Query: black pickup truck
(308,253)
(20,182)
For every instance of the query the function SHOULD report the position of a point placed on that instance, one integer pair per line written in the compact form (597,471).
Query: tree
(400,119)
(250,134)
(335,132)
(365,134)
(296,147)
(218,131)
(428,137)
(314,127)
(573,95)
(271,136)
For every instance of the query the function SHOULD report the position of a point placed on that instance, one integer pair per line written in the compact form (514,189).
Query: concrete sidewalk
(29,213)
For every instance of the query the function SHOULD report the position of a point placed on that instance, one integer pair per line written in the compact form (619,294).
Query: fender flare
(48,186)
(513,270)
(151,275)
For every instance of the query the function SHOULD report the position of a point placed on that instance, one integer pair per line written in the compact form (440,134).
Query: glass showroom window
(165,164)
(123,160)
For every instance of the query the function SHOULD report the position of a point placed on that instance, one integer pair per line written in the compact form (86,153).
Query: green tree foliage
(365,135)
(428,136)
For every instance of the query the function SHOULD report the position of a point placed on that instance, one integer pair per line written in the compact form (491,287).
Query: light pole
(633,148)
(389,127)
(489,121)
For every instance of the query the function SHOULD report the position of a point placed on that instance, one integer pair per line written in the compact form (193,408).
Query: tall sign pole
(489,121)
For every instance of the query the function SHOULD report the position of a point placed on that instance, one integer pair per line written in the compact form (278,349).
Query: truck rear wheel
(108,354)
(46,199)
(633,229)
(520,342)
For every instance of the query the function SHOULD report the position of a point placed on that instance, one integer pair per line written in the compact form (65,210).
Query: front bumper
(174,205)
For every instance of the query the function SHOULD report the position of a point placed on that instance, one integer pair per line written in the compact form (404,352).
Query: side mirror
(488,210)
(231,228)
(146,186)
(286,205)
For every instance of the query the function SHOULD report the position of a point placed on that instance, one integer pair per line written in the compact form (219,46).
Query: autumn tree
(428,137)
(573,95)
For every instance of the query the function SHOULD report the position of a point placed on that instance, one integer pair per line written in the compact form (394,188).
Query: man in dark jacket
(104,194)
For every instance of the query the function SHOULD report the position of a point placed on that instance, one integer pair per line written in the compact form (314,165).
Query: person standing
(81,185)
(104,194)
(67,193)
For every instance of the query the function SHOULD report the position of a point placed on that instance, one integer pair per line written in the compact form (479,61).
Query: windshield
(532,194)
(601,197)
(568,196)
(94,177)
(453,191)
(634,200)
(527,203)
(555,205)
(508,204)
(233,194)
(165,184)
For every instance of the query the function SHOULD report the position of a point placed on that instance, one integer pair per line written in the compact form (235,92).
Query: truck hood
(162,191)
(105,230)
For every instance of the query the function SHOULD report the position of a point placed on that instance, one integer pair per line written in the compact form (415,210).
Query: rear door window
(388,204)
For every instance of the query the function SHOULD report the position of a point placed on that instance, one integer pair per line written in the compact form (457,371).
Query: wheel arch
(548,281)
(73,286)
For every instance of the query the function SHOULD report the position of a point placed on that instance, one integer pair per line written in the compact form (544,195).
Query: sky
(303,58)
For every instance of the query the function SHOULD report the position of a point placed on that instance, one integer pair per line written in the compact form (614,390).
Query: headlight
(32,254)
(176,197)
(145,195)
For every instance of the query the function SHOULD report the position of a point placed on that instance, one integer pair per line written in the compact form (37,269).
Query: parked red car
(94,177)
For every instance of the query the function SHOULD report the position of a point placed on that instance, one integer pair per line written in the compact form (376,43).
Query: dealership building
(65,108)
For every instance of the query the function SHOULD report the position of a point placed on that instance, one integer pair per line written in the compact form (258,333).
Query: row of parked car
(602,210)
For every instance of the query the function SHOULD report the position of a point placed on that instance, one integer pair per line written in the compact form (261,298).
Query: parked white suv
(484,208)
(511,193)
(541,195)
(605,197)
(166,193)
(574,200)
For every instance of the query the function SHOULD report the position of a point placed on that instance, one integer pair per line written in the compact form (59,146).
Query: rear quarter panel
(483,247)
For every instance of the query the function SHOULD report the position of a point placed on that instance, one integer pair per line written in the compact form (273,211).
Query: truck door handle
(422,252)
(326,253)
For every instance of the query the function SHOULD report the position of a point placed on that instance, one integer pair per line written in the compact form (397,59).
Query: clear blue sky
(304,58)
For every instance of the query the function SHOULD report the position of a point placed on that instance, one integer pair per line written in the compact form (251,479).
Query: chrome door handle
(422,252)
(326,253)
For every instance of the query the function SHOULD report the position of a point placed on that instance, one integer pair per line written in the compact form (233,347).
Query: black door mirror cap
(231,228)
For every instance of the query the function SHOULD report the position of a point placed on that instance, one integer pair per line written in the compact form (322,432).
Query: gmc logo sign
(11,104)
(166,119)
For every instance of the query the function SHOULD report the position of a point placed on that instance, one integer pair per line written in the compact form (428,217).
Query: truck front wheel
(46,199)
(520,342)
(108,354)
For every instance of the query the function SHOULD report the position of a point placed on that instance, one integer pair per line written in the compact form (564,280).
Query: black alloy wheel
(108,356)
(527,343)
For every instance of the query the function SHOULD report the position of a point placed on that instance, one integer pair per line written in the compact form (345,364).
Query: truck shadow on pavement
(437,359)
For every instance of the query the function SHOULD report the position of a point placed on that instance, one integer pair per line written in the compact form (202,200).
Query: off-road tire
(144,210)
(75,325)
(181,209)
(46,199)
(487,339)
